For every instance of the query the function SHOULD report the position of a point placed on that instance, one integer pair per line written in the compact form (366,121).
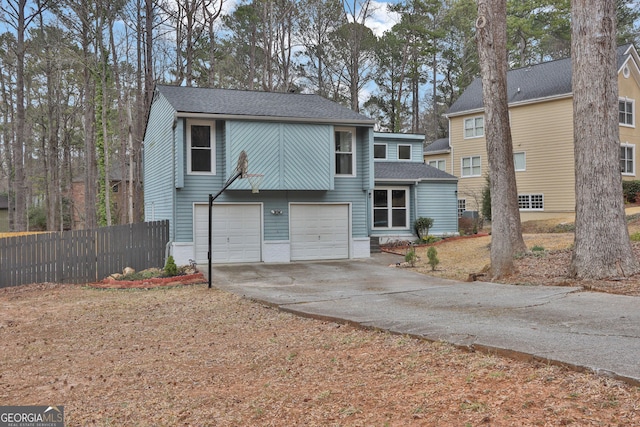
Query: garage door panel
(237,233)
(319,232)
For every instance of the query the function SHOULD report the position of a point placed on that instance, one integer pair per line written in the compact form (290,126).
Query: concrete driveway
(584,330)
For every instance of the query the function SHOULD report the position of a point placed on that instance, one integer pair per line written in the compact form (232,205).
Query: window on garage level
(345,151)
(201,147)
(390,208)
(531,202)
(462,206)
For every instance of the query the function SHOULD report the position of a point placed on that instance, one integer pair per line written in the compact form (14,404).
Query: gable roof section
(409,171)
(545,80)
(438,146)
(242,104)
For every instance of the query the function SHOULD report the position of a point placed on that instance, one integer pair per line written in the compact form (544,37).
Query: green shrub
(422,226)
(411,257)
(430,239)
(486,199)
(171,269)
(631,189)
(635,237)
(432,254)
(537,248)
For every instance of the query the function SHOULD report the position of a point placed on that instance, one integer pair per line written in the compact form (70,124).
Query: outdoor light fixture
(276,211)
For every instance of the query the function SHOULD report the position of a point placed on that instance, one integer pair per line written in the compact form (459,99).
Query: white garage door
(237,233)
(319,232)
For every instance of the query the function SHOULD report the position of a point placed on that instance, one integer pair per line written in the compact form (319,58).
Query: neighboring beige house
(541,114)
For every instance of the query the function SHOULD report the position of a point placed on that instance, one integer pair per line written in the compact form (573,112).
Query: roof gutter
(513,104)
(276,119)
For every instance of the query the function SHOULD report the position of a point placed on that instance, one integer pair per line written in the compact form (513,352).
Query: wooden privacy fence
(82,256)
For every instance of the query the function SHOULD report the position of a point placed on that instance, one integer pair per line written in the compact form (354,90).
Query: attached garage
(237,233)
(319,231)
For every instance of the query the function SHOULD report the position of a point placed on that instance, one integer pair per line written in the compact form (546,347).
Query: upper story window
(380,151)
(519,162)
(627,159)
(201,147)
(474,127)
(471,166)
(345,140)
(438,164)
(625,112)
(404,152)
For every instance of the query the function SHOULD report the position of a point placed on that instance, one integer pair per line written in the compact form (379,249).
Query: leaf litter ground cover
(190,356)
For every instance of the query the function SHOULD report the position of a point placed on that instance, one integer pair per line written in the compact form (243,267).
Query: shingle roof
(231,102)
(438,145)
(543,80)
(408,171)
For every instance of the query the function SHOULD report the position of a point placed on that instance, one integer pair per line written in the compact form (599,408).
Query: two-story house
(320,197)
(541,117)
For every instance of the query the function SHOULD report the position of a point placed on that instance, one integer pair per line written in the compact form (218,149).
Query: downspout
(415,204)
(174,208)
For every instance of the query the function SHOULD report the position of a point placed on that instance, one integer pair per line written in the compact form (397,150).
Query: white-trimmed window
(391,208)
(531,202)
(380,151)
(404,152)
(520,161)
(627,159)
(201,151)
(471,166)
(625,111)
(345,141)
(462,206)
(438,164)
(474,127)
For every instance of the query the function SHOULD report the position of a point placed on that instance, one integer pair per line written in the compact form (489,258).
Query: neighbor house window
(380,151)
(627,156)
(625,112)
(404,152)
(519,162)
(201,142)
(462,206)
(471,166)
(390,208)
(345,151)
(438,164)
(531,202)
(474,127)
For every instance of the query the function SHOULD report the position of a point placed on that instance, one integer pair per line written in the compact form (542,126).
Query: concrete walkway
(584,330)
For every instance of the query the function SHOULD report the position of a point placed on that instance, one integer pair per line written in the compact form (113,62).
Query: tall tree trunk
(602,247)
(19,181)
(91,168)
(506,234)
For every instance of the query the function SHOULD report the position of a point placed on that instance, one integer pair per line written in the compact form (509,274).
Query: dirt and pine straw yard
(192,356)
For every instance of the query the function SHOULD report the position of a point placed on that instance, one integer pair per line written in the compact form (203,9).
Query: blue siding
(394,140)
(291,156)
(439,200)
(276,227)
(159,164)
(179,152)
(198,187)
